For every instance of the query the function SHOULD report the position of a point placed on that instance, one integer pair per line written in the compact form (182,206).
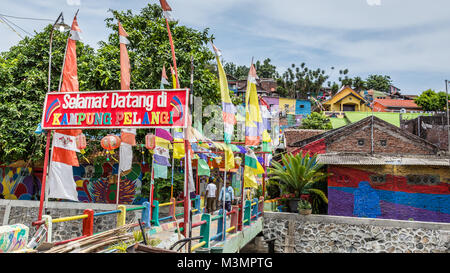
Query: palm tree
(298,174)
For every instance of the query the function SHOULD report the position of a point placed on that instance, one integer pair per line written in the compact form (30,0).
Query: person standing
(229,196)
(211,189)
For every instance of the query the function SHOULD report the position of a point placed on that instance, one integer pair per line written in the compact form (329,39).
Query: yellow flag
(249,178)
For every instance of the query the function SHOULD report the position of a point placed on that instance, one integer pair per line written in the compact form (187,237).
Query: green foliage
(429,100)
(298,175)
(299,81)
(379,82)
(303,204)
(23,84)
(23,73)
(162,187)
(316,121)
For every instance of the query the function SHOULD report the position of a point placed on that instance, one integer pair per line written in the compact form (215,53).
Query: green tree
(301,81)
(316,121)
(378,82)
(23,85)
(23,73)
(429,100)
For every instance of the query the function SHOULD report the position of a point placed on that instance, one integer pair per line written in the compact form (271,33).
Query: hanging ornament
(142,152)
(81,145)
(109,143)
(150,141)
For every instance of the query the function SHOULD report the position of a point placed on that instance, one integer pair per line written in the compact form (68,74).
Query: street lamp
(448,117)
(62,27)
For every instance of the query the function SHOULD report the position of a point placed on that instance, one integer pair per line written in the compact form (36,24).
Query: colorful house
(381,171)
(346,99)
(393,105)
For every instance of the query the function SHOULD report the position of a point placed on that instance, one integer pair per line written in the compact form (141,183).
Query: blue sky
(406,39)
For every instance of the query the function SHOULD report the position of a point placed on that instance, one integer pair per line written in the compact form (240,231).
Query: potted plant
(297,175)
(304,207)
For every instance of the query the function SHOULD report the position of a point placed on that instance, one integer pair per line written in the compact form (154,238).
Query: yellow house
(346,100)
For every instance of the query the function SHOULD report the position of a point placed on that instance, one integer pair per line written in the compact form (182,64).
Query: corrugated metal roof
(337,159)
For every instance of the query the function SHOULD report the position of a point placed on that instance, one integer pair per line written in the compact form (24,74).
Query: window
(423,179)
(360,142)
(302,106)
(383,142)
(378,179)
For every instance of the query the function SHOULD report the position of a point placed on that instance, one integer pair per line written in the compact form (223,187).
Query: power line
(13,29)
(26,18)
(9,21)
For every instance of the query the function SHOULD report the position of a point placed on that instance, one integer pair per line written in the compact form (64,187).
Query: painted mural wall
(98,183)
(95,183)
(19,183)
(390,192)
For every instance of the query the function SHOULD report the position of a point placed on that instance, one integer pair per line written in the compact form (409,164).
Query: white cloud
(73,2)
(374,2)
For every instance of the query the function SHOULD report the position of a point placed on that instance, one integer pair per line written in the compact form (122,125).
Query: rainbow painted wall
(13,237)
(419,193)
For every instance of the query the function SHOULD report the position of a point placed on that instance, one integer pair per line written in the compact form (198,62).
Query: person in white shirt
(211,189)
(228,192)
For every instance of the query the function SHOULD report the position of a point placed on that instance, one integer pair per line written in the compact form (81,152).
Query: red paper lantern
(150,141)
(81,141)
(110,142)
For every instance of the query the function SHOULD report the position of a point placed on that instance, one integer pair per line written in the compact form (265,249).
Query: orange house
(393,105)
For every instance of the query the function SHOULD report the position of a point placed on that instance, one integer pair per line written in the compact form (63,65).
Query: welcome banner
(115,109)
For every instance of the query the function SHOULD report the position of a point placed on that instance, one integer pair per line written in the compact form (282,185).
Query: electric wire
(9,21)
(26,18)
(13,29)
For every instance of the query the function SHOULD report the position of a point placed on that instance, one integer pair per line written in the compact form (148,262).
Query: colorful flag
(178,148)
(253,119)
(251,169)
(161,154)
(228,109)
(64,148)
(265,114)
(164,78)
(174,78)
(127,135)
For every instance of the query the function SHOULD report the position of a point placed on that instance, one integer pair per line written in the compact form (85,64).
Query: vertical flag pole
(152,185)
(173,166)
(173,53)
(118,182)
(44,175)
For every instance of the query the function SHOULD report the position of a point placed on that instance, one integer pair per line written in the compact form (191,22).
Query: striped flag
(161,154)
(251,169)
(253,119)
(178,148)
(64,148)
(166,10)
(228,108)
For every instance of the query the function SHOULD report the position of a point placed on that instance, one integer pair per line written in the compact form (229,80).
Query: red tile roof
(397,103)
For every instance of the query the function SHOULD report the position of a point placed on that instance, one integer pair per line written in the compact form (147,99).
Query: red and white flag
(166,10)
(64,148)
(128,136)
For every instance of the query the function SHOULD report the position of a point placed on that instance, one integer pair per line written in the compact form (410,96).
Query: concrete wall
(295,233)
